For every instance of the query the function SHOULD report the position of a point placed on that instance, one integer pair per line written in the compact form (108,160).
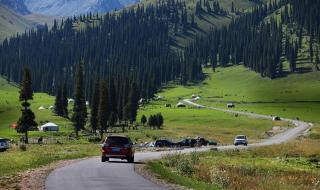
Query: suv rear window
(117,140)
(241,137)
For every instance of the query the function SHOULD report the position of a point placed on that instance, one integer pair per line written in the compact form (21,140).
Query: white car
(4,144)
(241,140)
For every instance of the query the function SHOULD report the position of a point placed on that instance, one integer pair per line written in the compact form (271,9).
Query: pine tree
(61,102)
(104,108)
(151,121)
(159,120)
(232,7)
(79,117)
(27,119)
(58,103)
(311,49)
(143,119)
(133,103)
(95,106)
(317,61)
(64,102)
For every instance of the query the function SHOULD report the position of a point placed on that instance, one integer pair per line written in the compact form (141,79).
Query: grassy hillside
(297,95)
(207,20)
(11,23)
(10,110)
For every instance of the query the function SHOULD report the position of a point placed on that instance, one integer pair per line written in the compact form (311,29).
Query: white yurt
(49,127)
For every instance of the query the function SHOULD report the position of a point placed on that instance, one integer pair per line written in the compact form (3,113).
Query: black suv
(164,143)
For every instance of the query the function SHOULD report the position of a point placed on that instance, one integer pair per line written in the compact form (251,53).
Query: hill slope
(17,6)
(11,23)
(297,95)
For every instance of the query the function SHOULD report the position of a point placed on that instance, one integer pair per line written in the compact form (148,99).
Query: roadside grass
(172,177)
(287,166)
(15,160)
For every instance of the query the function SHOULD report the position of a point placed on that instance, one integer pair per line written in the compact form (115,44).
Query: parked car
(241,140)
(117,147)
(164,143)
(4,144)
(187,142)
(276,118)
(201,141)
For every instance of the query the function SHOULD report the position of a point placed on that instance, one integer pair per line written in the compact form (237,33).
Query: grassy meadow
(296,95)
(288,166)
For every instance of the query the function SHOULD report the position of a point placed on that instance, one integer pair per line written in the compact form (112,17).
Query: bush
(194,157)
(184,167)
(94,139)
(23,147)
(219,177)
(172,160)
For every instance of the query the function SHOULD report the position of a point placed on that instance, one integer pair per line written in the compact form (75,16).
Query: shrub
(171,160)
(23,147)
(194,157)
(219,177)
(94,139)
(184,167)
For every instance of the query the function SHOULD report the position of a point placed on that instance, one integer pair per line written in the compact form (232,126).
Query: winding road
(92,174)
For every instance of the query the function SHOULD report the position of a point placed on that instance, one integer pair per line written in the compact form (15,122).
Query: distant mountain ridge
(17,6)
(74,7)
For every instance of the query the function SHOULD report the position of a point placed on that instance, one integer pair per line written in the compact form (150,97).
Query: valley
(161,70)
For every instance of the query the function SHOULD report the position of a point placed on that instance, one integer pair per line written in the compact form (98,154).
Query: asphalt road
(92,174)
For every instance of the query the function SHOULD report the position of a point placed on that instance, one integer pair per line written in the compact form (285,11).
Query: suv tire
(131,159)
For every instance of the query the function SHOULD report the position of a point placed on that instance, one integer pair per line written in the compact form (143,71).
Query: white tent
(49,127)
(180,105)
(41,108)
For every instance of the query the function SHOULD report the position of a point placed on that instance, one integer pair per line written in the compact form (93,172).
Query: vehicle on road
(187,142)
(164,143)
(201,141)
(241,140)
(276,118)
(4,144)
(117,147)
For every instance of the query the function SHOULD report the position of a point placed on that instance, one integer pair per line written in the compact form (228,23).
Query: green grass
(10,112)
(214,125)
(172,177)
(287,166)
(297,95)
(38,155)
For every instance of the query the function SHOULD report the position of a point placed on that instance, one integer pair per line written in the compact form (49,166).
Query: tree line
(132,45)
(258,41)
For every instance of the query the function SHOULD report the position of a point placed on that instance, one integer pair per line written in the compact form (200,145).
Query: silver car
(241,140)
(4,144)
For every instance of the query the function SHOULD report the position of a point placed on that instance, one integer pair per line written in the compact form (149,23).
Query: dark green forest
(126,47)
(133,47)
(258,42)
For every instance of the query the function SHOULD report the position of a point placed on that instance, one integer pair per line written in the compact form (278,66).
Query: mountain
(17,6)
(12,23)
(74,7)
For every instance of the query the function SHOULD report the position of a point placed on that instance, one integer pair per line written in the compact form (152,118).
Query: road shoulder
(154,178)
(33,179)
